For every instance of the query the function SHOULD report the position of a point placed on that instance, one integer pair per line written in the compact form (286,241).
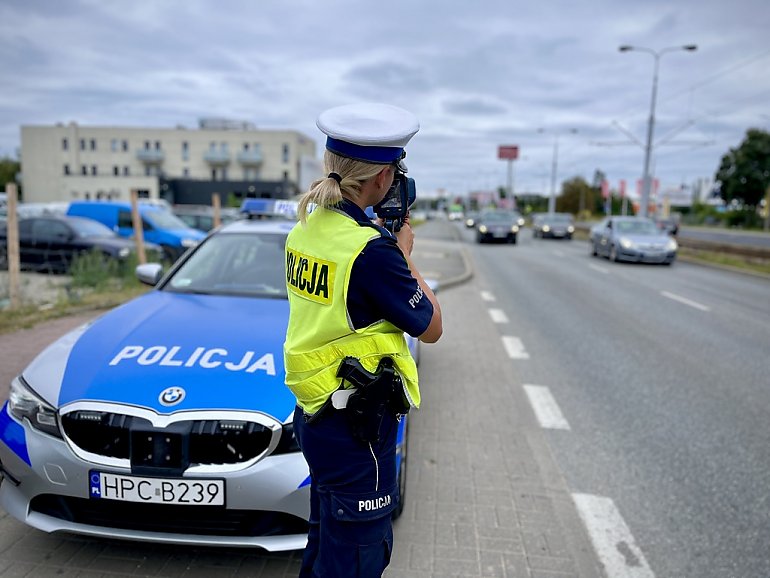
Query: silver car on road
(633,239)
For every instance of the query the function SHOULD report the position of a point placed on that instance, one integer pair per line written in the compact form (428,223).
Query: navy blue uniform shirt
(381,285)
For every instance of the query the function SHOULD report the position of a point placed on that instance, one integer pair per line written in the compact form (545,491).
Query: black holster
(377,394)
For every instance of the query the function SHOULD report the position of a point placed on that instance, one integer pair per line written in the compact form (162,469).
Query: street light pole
(554,168)
(646,176)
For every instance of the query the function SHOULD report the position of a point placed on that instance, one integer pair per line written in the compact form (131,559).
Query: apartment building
(74,162)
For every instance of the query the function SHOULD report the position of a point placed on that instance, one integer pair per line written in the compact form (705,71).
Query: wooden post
(12,248)
(216,203)
(136,220)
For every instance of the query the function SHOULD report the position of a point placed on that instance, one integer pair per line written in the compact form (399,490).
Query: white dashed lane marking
(611,538)
(685,301)
(514,347)
(498,316)
(487,296)
(599,269)
(546,409)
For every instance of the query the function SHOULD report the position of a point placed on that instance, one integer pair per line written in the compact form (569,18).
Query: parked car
(159,226)
(553,225)
(497,226)
(51,243)
(668,225)
(201,217)
(168,419)
(635,239)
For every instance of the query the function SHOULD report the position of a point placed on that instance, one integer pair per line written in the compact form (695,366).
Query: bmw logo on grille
(171,396)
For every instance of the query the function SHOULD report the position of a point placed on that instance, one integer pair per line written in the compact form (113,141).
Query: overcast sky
(478,74)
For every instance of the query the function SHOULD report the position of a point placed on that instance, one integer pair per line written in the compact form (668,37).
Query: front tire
(613,256)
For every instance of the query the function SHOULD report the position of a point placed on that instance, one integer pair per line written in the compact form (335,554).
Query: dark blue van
(159,225)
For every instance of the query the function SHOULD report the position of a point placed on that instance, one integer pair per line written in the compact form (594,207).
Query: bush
(96,270)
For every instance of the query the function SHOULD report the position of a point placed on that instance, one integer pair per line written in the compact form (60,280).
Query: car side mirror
(149,273)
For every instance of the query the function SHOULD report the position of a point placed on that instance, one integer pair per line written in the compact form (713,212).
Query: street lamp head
(625,48)
(691,47)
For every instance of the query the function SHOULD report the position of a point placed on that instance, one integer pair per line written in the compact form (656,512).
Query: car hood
(661,240)
(224,352)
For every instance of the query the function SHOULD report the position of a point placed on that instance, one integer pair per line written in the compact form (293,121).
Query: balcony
(151,156)
(250,158)
(217,157)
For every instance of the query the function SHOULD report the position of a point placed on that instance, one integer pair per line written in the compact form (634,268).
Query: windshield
(165,220)
(499,216)
(561,218)
(636,227)
(235,264)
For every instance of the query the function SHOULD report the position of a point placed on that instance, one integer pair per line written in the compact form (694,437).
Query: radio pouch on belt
(372,399)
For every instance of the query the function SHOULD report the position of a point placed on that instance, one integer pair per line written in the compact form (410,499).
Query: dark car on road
(202,217)
(553,225)
(51,243)
(634,239)
(497,226)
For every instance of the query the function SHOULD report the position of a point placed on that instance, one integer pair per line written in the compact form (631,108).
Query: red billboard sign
(510,152)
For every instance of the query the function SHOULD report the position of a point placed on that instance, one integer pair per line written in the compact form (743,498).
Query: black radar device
(394,207)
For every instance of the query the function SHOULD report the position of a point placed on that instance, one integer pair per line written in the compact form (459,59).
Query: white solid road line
(611,538)
(546,409)
(686,301)
(498,316)
(599,269)
(514,347)
(487,296)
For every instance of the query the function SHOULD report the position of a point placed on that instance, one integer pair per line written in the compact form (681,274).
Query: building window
(125,146)
(285,175)
(185,151)
(146,145)
(82,144)
(147,171)
(84,170)
(224,173)
(212,146)
(126,171)
(93,170)
(116,170)
(114,145)
(157,145)
(246,147)
(286,153)
(186,172)
(93,144)
(223,147)
(66,169)
(65,145)
(213,174)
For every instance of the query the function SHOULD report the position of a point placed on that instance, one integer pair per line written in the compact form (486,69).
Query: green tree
(9,168)
(744,173)
(572,192)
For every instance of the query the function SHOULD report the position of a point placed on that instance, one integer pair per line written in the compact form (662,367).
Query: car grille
(172,448)
(168,518)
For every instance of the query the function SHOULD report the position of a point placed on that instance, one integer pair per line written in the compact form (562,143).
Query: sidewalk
(484,497)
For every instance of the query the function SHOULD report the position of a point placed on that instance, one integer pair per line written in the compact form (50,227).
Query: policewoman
(353,292)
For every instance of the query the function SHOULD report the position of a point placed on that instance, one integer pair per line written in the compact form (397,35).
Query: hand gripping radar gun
(394,208)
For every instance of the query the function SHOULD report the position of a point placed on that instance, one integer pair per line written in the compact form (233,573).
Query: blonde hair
(327,192)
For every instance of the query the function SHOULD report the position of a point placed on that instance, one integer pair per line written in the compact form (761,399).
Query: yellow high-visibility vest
(319,259)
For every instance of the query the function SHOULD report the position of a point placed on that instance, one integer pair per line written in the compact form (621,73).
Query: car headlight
(521,222)
(546,228)
(469,223)
(23,404)
(671,245)
(187,243)
(124,252)
(570,229)
(482,228)
(515,229)
(288,442)
(626,243)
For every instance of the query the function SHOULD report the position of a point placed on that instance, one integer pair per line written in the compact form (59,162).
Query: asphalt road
(661,374)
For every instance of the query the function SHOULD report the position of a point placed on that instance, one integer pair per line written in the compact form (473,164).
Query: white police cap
(370,132)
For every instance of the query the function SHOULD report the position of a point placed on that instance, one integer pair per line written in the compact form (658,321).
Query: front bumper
(47,487)
(634,255)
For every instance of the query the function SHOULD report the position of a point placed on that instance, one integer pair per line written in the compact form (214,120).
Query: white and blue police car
(167,419)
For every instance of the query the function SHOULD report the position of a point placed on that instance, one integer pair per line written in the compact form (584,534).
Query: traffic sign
(510,152)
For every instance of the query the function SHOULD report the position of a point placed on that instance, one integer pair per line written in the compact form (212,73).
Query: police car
(167,419)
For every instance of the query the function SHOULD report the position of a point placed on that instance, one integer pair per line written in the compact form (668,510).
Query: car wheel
(401,478)
(613,256)
(479,239)
(594,252)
